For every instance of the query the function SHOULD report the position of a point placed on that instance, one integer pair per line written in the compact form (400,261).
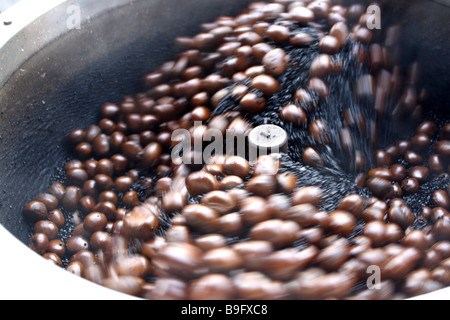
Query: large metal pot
(54,76)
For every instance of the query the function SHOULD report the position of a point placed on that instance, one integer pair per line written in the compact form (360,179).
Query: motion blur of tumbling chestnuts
(301,224)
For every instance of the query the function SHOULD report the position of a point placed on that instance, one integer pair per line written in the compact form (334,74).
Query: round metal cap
(268,139)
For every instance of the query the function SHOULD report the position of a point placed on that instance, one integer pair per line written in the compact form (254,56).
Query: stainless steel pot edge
(20,31)
(27,276)
(18,16)
(12,22)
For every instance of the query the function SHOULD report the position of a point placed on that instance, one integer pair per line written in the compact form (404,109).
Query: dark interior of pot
(62,86)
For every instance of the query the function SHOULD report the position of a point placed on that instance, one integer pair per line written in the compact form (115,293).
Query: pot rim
(29,276)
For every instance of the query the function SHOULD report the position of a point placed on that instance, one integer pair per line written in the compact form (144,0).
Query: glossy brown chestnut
(262,185)
(200,182)
(312,158)
(254,209)
(179,259)
(293,114)
(35,211)
(302,15)
(201,218)
(275,62)
(252,103)
(340,222)
(237,166)
(266,84)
